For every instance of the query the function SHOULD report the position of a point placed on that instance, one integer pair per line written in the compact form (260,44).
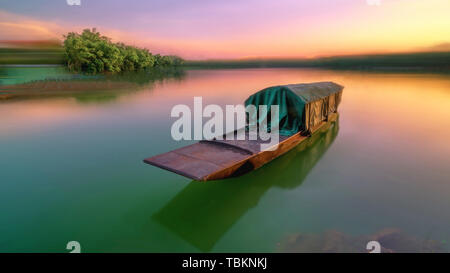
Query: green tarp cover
(318,98)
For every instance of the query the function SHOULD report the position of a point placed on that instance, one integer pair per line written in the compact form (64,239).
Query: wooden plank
(198,160)
(218,159)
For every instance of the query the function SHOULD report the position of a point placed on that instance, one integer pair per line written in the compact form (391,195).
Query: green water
(72,170)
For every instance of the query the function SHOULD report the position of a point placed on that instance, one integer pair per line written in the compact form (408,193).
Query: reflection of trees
(203,212)
(85,88)
(149,76)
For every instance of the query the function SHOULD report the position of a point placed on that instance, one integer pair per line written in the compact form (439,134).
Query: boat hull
(219,159)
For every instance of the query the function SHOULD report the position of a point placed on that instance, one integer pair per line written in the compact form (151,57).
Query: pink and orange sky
(210,29)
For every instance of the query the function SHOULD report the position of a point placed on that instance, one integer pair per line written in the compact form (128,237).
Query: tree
(93,53)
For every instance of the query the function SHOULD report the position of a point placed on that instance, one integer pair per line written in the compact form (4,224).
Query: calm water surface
(72,169)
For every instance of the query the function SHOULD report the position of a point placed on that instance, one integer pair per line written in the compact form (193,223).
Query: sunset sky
(207,29)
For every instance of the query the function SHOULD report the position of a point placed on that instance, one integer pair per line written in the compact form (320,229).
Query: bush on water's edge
(93,53)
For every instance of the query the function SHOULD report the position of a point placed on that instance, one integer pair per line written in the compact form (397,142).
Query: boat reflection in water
(203,212)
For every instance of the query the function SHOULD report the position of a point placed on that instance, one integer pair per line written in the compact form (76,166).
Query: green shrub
(92,53)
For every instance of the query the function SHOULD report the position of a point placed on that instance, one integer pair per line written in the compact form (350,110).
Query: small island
(88,66)
(93,53)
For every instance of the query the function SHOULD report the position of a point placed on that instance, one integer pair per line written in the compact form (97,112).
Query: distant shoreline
(404,62)
(424,61)
(412,69)
(32,65)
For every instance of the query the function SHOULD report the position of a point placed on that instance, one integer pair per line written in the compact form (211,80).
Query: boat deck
(217,159)
(206,157)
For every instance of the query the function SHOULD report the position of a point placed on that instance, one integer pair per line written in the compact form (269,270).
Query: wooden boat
(307,109)
(287,172)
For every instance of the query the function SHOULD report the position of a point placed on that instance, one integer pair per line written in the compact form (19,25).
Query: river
(71,170)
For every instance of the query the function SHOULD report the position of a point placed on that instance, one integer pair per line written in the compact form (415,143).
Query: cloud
(442,47)
(24,28)
(233,30)
(17,27)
